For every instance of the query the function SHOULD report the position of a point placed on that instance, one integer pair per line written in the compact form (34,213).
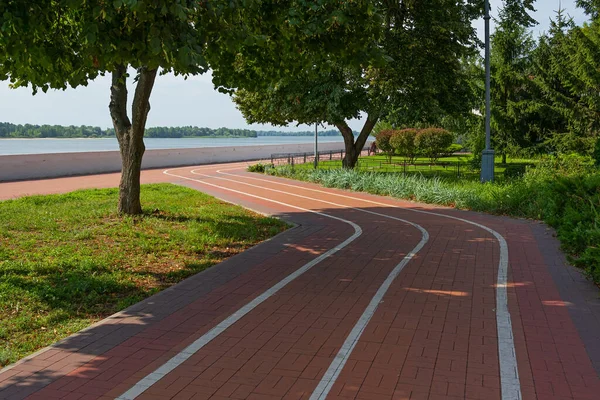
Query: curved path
(367,297)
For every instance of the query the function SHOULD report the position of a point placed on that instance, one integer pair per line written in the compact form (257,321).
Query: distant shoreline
(114,137)
(169,138)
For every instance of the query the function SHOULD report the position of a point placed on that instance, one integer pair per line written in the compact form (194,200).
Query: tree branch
(366,131)
(141,99)
(118,99)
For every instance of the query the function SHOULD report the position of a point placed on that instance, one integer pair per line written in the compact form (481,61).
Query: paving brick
(433,335)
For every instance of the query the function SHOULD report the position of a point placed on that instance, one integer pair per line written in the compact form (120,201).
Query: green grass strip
(566,200)
(69,260)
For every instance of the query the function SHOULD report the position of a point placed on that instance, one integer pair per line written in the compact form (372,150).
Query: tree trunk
(503,158)
(353,148)
(130,135)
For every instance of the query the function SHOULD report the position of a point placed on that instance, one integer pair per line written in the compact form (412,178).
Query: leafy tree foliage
(61,43)
(403,60)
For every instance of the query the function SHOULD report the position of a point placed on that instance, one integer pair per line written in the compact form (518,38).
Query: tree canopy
(511,64)
(62,43)
(403,59)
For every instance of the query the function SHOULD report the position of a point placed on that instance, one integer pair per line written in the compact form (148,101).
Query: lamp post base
(487,166)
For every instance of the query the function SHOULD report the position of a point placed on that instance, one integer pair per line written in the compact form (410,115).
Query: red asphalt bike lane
(433,335)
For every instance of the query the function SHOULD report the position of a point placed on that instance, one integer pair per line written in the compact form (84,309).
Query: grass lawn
(563,191)
(69,260)
(453,167)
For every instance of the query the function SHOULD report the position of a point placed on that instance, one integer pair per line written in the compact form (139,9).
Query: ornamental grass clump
(563,191)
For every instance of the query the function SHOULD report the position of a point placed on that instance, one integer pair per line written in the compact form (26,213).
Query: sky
(176,102)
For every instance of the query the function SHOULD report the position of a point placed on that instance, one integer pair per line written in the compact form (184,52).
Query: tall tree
(62,43)
(591,7)
(402,60)
(583,82)
(556,105)
(511,65)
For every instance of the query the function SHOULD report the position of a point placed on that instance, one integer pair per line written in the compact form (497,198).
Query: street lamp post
(316,145)
(487,157)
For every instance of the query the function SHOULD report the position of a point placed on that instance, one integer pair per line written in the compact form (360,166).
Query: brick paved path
(341,324)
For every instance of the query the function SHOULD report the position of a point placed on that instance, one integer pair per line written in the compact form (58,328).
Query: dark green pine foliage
(554,103)
(591,7)
(512,79)
(583,82)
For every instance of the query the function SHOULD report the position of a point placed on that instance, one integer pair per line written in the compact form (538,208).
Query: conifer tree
(553,102)
(512,46)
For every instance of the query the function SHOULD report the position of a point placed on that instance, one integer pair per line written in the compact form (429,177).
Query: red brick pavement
(432,337)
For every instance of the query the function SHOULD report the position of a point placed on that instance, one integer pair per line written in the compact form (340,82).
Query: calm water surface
(42,146)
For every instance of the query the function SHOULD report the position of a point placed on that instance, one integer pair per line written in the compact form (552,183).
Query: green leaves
(60,43)
(329,61)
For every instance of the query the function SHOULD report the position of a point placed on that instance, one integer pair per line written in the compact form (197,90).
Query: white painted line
(509,372)
(419,227)
(335,368)
(150,379)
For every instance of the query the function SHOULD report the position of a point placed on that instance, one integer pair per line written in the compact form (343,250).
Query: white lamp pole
(487,157)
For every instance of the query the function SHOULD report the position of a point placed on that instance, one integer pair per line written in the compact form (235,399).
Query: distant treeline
(332,132)
(8,130)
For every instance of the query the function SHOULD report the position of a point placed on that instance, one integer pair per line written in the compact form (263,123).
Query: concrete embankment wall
(37,166)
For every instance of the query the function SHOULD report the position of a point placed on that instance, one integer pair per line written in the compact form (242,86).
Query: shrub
(564,164)
(403,143)
(383,142)
(596,154)
(453,148)
(432,142)
(514,171)
(570,202)
(260,167)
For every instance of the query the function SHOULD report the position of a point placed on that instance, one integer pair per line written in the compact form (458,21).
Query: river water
(43,146)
